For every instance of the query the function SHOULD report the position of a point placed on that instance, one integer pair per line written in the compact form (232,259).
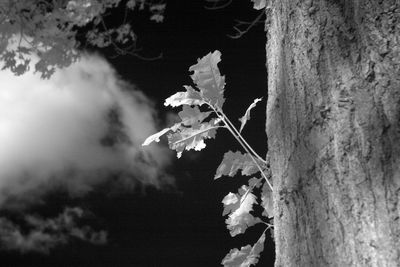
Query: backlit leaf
(208,79)
(246,116)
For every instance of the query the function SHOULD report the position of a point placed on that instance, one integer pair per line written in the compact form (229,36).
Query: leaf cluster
(51,29)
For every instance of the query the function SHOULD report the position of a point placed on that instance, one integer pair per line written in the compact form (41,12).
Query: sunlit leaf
(259,4)
(184,137)
(235,161)
(51,31)
(189,97)
(155,137)
(246,116)
(192,138)
(192,116)
(255,182)
(267,201)
(208,78)
(238,206)
(158,7)
(157,18)
(231,203)
(246,256)
(131,4)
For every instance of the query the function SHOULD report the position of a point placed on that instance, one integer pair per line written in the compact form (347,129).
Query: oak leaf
(267,201)
(246,116)
(208,79)
(259,4)
(192,116)
(155,137)
(192,138)
(189,97)
(235,161)
(246,256)
(238,206)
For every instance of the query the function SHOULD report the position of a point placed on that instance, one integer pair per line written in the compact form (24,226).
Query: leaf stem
(243,140)
(268,225)
(239,136)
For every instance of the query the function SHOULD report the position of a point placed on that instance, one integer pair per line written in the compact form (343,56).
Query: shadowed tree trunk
(333,126)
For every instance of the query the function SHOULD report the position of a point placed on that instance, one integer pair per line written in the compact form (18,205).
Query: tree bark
(333,127)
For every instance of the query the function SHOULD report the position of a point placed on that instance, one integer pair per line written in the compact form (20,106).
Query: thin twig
(129,50)
(244,140)
(216,6)
(240,32)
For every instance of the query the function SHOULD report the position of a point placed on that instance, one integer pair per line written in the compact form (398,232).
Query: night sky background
(182,224)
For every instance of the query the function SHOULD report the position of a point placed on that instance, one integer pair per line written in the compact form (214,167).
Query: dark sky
(181,225)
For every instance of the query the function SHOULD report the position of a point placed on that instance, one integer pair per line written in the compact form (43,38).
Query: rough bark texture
(333,126)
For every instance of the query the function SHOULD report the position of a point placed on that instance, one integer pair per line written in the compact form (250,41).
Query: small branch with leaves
(53,31)
(201,116)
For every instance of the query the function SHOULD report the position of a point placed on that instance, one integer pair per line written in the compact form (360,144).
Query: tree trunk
(333,126)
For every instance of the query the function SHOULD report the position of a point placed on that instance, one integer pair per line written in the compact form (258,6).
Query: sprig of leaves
(200,116)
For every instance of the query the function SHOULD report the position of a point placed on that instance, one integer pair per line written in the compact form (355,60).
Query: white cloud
(74,130)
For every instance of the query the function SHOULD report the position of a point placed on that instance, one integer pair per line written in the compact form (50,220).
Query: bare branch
(128,50)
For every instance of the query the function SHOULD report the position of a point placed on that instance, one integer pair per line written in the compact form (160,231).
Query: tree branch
(215,5)
(239,23)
